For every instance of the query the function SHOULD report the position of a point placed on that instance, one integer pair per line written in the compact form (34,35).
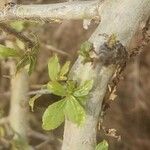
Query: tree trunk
(120,17)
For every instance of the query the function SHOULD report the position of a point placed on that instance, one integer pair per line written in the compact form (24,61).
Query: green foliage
(72,94)
(86,46)
(32,64)
(18,25)
(68,107)
(64,70)
(85,50)
(71,85)
(102,145)
(55,72)
(83,89)
(53,68)
(74,111)
(54,115)
(32,101)
(56,88)
(8,52)
(2,132)
(26,58)
(34,98)
(29,59)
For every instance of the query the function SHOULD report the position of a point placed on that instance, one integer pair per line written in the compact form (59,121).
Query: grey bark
(121,17)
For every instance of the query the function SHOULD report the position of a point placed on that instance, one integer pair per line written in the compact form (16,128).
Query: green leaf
(22,63)
(86,46)
(8,52)
(74,111)
(82,100)
(84,51)
(71,86)
(32,101)
(83,89)
(2,132)
(56,88)
(64,70)
(102,146)
(32,63)
(53,68)
(54,115)
(18,25)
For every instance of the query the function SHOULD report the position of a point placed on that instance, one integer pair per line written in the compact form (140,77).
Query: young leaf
(74,111)
(54,115)
(8,52)
(83,89)
(2,132)
(32,63)
(86,46)
(71,86)
(84,51)
(102,146)
(32,101)
(82,100)
(22,63)
(64,70)
(53,68)
(56,88)
(18,25)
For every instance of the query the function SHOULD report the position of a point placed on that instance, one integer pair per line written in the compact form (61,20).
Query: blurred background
(129,113)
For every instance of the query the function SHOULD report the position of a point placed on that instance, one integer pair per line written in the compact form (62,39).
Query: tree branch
(48,12)
(123,19)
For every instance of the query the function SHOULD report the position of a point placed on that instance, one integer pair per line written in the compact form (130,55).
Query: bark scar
(111,52)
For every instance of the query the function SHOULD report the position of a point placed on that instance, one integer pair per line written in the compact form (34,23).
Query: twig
(42,91)
(19,35)
(39,135)
(49,12)
(45,138)
(39,146)
(54,49)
